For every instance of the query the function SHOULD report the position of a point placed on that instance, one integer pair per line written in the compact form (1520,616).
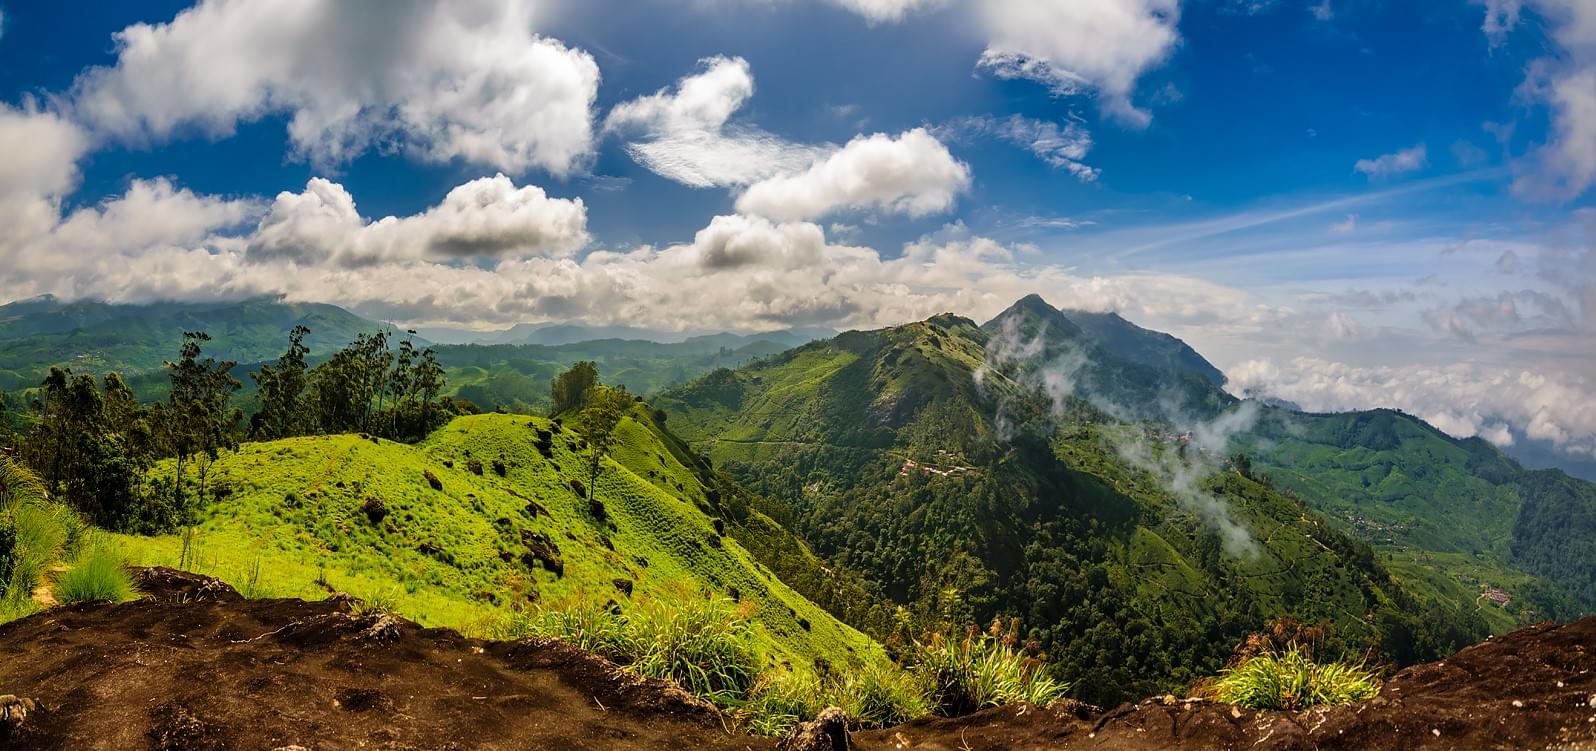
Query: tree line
(94,444)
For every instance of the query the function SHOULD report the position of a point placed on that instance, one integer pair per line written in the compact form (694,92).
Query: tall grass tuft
(982,669)
(779,702)
(878,695)
(705,647)
(35,532)
(98,575)
(1290,679)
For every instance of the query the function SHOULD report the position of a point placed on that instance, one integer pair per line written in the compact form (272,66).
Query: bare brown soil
(198,667)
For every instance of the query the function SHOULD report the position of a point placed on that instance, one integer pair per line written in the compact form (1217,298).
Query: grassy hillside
(889,455)
(297,520)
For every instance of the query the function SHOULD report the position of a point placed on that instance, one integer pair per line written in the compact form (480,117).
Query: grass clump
(963,674)
(98,575)
(35,533)
(705,647)
(878,695)
(778,702)
(1290,679)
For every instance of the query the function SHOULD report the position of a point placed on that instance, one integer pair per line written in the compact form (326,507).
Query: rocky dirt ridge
(197,667)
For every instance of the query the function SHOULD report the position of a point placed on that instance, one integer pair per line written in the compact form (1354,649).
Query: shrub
(1290,679)
(982,669)
(99,575)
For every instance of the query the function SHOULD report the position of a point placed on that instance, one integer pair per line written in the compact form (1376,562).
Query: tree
(428,383)
(603,413)
(92,448)
(200,423)
(572,388)
(282,392)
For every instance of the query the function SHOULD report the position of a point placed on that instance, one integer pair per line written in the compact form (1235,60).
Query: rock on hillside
(197,667)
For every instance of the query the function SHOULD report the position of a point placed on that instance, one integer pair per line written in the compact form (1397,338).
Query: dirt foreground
(197,667)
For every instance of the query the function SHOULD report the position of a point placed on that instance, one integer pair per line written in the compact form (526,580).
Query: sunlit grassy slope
(294,523)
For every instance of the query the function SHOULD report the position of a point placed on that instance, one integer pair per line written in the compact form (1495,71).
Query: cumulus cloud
(445,80)
(684,135)
(41,152)
(1062,148)
(131,245)
(1072,46)
(487,217)
(1395,163)
(912,174)
(1463,399)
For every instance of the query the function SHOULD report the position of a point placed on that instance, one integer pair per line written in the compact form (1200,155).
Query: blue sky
(1348,203)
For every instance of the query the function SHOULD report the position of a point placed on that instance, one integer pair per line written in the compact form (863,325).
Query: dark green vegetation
(1455,518)
(135,340)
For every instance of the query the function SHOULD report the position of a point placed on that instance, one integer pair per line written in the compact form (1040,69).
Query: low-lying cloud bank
(1494,403)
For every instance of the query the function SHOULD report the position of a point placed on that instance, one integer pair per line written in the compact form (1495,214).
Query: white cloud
(912,174)
(1339,326)
(1563,168)
(1396,163)
(888,11)
(488,217)
(41,152)
(123,243)
(1500,18)
(1462,399)
(684,135)
(1060,148)
(1350,224)
(444,80)
(1074,45)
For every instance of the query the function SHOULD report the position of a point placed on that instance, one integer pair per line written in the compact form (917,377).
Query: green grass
(35,534)
(291,524)
(704,646)
(99,575)
(1289,679)
(980,669)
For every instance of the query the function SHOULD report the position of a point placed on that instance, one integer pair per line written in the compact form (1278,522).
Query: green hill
(1456,514)
(93,337)
(1445,514)
(482,518)
(908,455)
(516,376)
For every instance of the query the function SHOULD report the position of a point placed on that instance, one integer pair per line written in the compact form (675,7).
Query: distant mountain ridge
(556,334)
(99,337)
